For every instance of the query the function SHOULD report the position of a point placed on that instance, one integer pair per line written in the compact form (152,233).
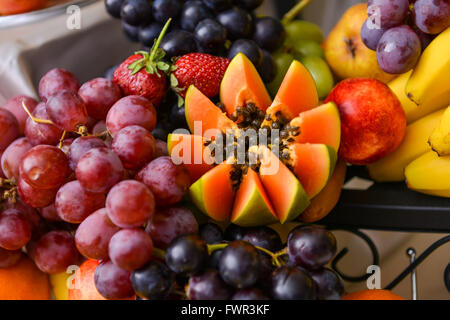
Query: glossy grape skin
(44,167)
(99,95)
(238,23)
(11,157)
(93,235)
(80,146)
(170,223)
(74,204)
(15,230)
(42,133)
(218,5)
(398,50)
(210,34)
(248,47)
(239,264)
(34,197)
(99,170)
(113,7)
(249,294)
(168,182)
(311,247)
(136,12)
(269,33)
(263,237)
(211,233)
(65,145)
(387,13)
(57,80)
(130,204)
(193,12)
(187,255)
(153,282)
(432,16)
(55,251)
(371,34)
(14,105)
(328,284)
(268,68)
(28,212)
(49,213)
(234,232)
(9,129)
(290,283)
(149,33)
(113,282)
(208,285)
(135,147)
(214,258)
(130,249)
(131,110)
(165,9)
(9,258)
(67,110)
(160,148)
(178,43)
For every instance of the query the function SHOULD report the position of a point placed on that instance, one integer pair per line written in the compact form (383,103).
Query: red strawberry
(200,69)
(143,73)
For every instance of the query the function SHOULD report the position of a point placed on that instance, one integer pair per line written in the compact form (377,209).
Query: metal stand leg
(412,258)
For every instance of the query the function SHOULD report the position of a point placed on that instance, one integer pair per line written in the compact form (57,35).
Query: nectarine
(373,122)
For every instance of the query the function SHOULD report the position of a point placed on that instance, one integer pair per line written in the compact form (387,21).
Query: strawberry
(143,73)
(200,69)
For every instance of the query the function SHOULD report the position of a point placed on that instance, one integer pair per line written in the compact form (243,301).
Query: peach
(373,122)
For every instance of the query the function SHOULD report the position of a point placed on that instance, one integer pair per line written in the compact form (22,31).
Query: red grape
(9,129)
(65,146)
(135,146)
(130,204)
(100,128)
(34,197)
(168,182)
(27,211)
(55,251)
(10,160)
(14,105)
(99,95)
(432,16)
(44,167)
(42,133)
(113,282)
(131,110)
(67,110)
(99,170)
(50,213)
(93,235)
(57,80)
(170,223)
(15,230)
(2,174)
(9,258)
(74,204)
(80,146)
(131,249)
(161,149)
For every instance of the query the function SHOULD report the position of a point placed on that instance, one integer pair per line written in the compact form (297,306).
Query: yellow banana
(431,75)
(440,138)
(414,112)
(391,168)
(436,193)
(429,172)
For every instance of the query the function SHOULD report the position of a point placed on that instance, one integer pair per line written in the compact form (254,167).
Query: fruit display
(400,30)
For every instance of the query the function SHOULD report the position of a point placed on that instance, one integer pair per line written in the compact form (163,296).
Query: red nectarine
(372,119)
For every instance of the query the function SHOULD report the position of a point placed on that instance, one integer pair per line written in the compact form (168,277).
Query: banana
(415,144)
(431,76)
(440,138)
(414,112)
(429,172)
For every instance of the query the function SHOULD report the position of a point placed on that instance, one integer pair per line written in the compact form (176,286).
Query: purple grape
(371,34)
(387,13)
(208,286)
(432,16)
(249,294)
(290,283)
(398,50)
(328,284)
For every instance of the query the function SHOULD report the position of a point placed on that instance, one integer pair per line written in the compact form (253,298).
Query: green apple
(303,30)
(321,73)
(283,61)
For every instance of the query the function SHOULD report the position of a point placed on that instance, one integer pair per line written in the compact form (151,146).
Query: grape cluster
(217,27)
(399,30)
(243,264)
(83,176)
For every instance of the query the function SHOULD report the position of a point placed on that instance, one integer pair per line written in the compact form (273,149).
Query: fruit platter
(217,161)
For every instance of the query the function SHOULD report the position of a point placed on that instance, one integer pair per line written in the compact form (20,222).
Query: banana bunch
(423,158)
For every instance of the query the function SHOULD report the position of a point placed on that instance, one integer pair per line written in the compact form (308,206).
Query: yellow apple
(345,52)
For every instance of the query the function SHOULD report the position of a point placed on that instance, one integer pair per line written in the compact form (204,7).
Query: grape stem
(295,11)
(62,139)
(159,253)
(37,120)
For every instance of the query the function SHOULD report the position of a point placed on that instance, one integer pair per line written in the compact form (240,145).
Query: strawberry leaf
(162,66)
(173,81)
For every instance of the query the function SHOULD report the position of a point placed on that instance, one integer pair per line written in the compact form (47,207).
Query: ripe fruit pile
(399,30)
